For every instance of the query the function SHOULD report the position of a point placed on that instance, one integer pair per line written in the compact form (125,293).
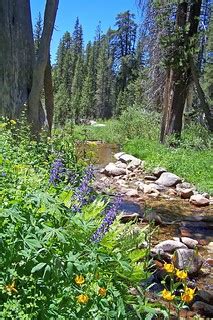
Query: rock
(199,200)
(129,217)
(140,186)
(157,187)
(132,193)
(154,194)
(184,185)
(118,154)
(205,296)
(158,171)
(209,262)
(203,309)
(206,195)
(147,189)
(120,164)
(185,193)
(172,192)
(189,242)
(168,179)
(126,158)
(170,246)
(153,217)
(187,259)
(135,163)
(112,170)
(151,178)
(209,248)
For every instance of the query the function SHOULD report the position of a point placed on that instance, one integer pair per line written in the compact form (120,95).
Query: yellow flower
(167,295)
(11,287)
(181,274)
(79,280)
(169,267)
(188,294)
(102,292)
(13,122)
(82,298)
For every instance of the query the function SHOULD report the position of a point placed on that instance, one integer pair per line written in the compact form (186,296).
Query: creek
(178,216)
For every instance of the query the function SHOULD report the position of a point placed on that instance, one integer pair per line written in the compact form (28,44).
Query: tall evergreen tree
(88,90)
(105,81)
(37,33)
(77,89)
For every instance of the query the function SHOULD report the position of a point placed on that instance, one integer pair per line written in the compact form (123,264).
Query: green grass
(194,166)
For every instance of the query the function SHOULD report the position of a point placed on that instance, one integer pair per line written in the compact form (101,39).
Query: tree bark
(48,92)
(177,87)
(201,95)
(175,91)
(16,56)
(40,65)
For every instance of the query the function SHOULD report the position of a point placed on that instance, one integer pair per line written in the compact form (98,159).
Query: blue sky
(90,12)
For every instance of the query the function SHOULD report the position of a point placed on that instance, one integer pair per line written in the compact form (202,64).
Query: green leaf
(38,267)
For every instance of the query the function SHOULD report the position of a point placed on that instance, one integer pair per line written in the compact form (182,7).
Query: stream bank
(175,206)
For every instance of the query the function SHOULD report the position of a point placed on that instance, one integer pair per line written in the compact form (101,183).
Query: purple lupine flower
(56,171)
(107,221)
(83,194)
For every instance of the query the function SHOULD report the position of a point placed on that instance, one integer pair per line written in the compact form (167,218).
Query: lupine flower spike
(57,171)
(107,221)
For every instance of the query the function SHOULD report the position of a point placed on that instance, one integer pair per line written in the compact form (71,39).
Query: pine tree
(105,81)
(37,33)
(87,105)
(77,89)
(63,75)
(77,45)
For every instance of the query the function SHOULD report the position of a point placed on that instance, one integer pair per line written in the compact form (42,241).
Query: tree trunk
(40,65)
(16,56)
(201,95)
(177,87)
(48,92)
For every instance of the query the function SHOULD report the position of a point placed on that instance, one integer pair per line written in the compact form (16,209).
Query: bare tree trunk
(175,88)
(48,92)
(40,65)
(179,84)
(201,95)
(16,56)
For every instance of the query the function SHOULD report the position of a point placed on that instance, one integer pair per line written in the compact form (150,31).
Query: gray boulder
(135,163)
(169,246)
(112,170)
(203,309)
(189,242)
(199,200)
(157,187)
(127,158)
(118,154)
(185,193)
(168,179)
(120,164)
(132,193)
(158,171)
(188,259)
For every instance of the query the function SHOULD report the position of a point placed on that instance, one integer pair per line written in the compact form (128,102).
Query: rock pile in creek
(127,177)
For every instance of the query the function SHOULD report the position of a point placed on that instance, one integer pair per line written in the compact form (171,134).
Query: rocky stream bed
(184,235)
